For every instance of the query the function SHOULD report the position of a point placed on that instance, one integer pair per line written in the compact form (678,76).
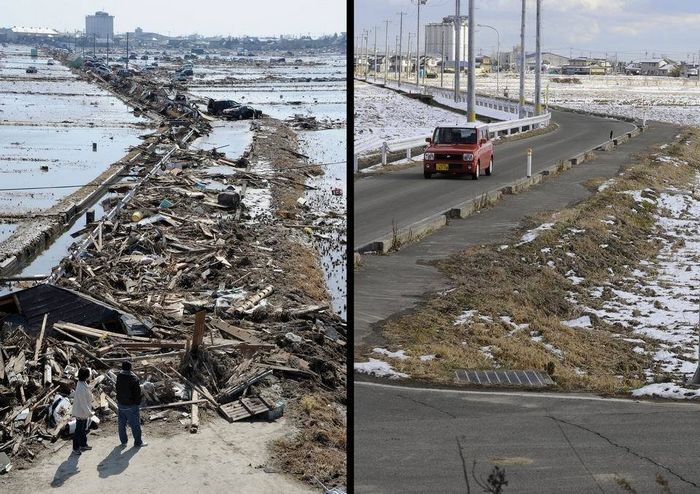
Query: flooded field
(316,87)
(48,124)
(279,91)
(50,120)
(327,147)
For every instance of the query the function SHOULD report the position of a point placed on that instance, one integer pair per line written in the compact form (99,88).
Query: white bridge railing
(505,110)
(495,129)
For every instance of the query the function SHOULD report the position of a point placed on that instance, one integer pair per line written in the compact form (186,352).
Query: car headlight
(467,156)
(429,156)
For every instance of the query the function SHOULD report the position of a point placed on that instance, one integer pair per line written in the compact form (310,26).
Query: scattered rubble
(227,296)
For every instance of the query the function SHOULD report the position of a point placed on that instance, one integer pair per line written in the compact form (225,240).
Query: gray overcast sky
(629,27)
(209,17)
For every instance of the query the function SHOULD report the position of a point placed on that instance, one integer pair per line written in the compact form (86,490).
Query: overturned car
(232,110)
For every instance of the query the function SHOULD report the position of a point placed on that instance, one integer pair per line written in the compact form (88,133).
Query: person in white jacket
(82,411)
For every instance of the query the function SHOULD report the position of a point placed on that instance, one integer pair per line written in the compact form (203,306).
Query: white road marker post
(529,162)
(696,377)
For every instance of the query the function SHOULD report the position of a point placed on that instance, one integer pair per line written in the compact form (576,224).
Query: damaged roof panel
(62,304)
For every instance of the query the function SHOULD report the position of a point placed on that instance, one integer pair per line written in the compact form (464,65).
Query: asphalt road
(405,197)
(412,440)
(408,440)
(386,285)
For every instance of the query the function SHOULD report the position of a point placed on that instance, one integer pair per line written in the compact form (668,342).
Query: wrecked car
(232,110)
(242,112)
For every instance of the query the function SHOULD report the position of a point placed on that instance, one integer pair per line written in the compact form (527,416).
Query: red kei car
(459,150)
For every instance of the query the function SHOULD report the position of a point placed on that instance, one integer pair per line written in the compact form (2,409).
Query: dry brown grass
(306,275)
(518,283)
(318,450)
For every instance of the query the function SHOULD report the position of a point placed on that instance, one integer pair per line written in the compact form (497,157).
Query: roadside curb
(421,228)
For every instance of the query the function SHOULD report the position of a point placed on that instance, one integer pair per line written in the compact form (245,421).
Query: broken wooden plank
(253,301)
(236,332)
(198,333)
(174,404)
(95,333)
(35,360)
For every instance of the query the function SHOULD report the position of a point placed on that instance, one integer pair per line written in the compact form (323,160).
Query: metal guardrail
(495,130)
(500,109)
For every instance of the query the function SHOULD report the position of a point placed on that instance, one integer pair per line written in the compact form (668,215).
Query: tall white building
(438,32)
(101,25)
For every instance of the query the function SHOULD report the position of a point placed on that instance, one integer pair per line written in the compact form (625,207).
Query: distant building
(587,66)
(442,34)
(633,68)
(100,26)
(549,60)
(689,69)
(661,66)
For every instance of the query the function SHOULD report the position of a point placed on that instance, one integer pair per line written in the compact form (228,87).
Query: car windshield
(453,135)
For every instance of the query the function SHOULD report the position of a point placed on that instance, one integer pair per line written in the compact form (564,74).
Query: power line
(254,171)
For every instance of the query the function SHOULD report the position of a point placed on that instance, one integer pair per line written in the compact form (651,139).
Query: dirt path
(219,458)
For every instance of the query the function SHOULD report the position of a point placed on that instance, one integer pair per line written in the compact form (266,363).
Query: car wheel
(427,174)
(475,175)
(489,170)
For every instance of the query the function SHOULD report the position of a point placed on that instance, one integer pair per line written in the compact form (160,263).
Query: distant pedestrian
(611,134)
(129,401)
(82,411)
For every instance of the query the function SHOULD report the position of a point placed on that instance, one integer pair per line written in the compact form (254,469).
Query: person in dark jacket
(129,401)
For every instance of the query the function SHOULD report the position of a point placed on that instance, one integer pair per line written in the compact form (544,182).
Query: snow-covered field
(382,115)
(662,308)
(668,99)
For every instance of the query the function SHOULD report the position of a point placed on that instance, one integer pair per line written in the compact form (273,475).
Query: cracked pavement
(424,440)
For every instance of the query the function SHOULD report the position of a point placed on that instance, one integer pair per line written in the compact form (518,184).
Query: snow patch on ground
(399,354)
(465,317)
(667,390)
(378,368)
(531,235)
(581,322)
(427,358)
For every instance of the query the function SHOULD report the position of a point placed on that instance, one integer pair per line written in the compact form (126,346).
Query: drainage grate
(504,377)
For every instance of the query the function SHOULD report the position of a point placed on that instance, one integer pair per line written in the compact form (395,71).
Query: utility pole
(400,47)
(386,49)
(521,104)
(127,50)
(397,57)
(408,56)
(471,76)
(458,28)
(538,61)
(366,37)
(419,2)
(94,43)
(375,53)
(442,57)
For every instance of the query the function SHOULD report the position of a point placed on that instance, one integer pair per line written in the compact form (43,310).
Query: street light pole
(521,104)
(471,76)
(458,28)
(419,2)
(498,55)
(538,62)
